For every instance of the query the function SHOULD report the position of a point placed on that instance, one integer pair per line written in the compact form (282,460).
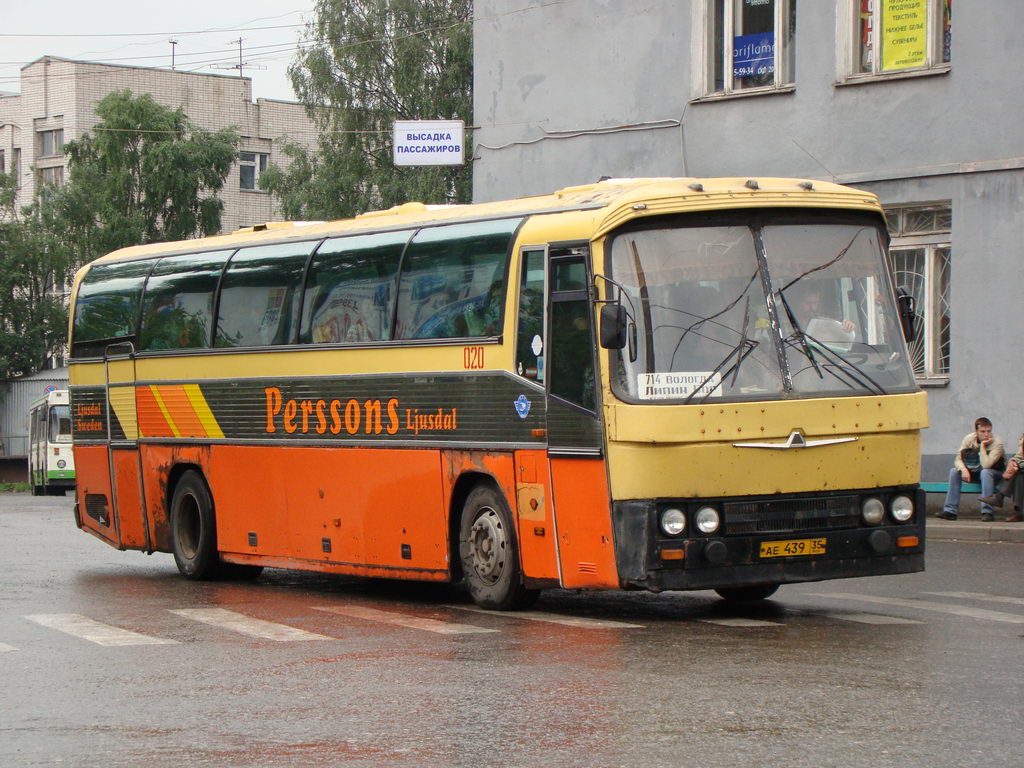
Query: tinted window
(350,291)
(258,295)
(453,281)
(530,336)
(107,307)
(572,349)
(177,308)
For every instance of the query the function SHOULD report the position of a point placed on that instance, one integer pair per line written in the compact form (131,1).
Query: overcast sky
(138,33)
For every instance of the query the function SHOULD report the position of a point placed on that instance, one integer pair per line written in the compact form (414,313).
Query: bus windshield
(788,307)
(60,424)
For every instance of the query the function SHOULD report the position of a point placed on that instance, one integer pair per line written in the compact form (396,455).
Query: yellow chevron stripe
(202,409)
(163,409)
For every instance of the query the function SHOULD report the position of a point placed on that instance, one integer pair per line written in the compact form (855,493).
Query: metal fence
(16,396)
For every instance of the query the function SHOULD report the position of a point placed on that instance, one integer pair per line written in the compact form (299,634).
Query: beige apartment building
(57,104)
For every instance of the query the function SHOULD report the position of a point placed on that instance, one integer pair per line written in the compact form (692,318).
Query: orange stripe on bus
(151,416)
(180,408)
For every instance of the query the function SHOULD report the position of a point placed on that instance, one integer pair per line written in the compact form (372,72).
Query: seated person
(1012,484)
(980,458)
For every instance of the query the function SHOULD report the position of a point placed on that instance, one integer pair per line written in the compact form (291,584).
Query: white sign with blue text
(428,142)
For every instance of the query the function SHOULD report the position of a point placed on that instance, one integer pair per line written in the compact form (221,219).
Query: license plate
(793,548)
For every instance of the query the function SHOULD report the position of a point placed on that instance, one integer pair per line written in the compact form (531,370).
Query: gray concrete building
(57,104)
(884,95)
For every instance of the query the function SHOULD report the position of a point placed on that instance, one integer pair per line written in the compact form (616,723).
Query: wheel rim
(188,526)
(487,545)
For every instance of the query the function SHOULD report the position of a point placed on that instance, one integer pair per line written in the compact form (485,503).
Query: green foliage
(376,61)
(33,318)
(145,174)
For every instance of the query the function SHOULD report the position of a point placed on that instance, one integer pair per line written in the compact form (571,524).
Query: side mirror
(907,306)
(613,326)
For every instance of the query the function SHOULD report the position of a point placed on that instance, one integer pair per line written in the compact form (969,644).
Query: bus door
(579,484)
(130,525)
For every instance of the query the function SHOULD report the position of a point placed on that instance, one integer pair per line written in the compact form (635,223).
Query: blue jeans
(989,478)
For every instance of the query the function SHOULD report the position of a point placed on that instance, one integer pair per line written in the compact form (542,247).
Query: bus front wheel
(747,594)
(193,534)
(488,552)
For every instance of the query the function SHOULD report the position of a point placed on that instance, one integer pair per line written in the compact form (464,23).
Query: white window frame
(51,176)
(848,33)
(782,81)
(259,163)
(933,244)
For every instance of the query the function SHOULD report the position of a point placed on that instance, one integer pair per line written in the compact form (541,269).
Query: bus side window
(258,295)
(177,306)
(530,332)
(572,348)
(453,281)
(351,287)
(107,306)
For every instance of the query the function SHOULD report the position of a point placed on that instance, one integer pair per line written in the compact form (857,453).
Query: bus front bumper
(657,563)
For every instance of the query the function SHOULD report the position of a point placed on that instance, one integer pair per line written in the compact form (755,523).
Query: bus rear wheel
(488,552)
(193,533)
(747,594)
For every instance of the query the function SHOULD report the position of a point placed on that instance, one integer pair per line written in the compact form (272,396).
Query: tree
(33,268)
(144,174)
(374,62)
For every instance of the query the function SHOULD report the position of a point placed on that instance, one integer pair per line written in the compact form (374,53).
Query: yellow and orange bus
(661,384)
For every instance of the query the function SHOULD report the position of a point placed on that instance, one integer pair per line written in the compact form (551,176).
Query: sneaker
(1015,517)
(996,499)
(987,517)
(944,515)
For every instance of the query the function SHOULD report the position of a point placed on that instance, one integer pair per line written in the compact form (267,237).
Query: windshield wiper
(798,332)
(741,351)
(862,377)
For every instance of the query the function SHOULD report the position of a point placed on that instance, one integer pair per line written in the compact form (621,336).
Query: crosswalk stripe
(927,605)
(401,620)
(553,618)
(4,648)
(872,618)
(102,634)
(246,625)
(740,622)
(981,596)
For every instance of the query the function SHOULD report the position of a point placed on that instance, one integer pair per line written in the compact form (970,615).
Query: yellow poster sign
(904,34)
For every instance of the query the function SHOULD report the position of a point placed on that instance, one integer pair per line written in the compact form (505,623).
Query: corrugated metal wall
(16,395)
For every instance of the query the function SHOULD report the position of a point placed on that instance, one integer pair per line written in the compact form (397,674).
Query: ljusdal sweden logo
(522,407)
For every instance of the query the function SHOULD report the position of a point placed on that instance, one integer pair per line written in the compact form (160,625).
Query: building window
(749,45)
(51,177)
(3,162)
(250,166)
(920,250)
(898,36)
(16,167)
(51,143)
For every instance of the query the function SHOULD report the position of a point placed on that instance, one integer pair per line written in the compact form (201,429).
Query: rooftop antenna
(174,44)
(241,64)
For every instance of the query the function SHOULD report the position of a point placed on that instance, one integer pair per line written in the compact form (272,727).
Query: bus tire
(489,553)
(37,490)
(747,594)
(193,530)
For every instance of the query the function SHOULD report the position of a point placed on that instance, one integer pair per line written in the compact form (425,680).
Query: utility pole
(174,44)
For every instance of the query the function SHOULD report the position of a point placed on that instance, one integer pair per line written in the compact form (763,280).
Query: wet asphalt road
(871,672)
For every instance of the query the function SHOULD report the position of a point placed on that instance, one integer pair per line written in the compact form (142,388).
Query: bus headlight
(61,464)
(673,521)
(902,509)
(872,511)
(707,519)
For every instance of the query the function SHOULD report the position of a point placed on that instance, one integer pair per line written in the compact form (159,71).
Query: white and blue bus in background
(51,466)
